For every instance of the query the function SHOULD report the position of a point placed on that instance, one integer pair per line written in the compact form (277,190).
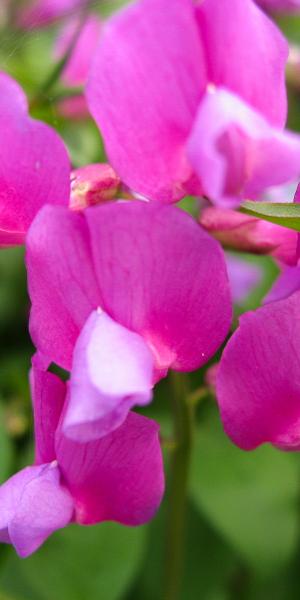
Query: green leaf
(284,214)
(84,562)
(251,498)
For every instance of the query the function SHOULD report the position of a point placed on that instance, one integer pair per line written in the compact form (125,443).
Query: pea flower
(118,478)
(179,114)
(122,292)
(258,385)
(35,167)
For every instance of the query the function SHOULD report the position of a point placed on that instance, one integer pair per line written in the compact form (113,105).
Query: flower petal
(163,277)
(35,168)
(119,477)
(258,380)
(112,371)
(48,396)
(34,505)
(150,61)
(236,153)
(62,282)
(253,64)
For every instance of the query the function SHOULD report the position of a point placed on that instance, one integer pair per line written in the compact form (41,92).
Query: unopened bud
(93,184)
(237,231)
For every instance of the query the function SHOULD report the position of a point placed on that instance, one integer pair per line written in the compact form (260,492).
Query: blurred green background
(243,535)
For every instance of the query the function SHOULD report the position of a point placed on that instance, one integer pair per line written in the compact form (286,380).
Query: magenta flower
(258,385)
(119,478)
(121,293)
(35,167)
(179,114)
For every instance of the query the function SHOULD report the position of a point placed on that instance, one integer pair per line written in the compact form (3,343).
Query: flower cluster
(190,99)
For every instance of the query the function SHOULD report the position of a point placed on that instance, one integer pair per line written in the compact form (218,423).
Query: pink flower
(42,12)
(119,478)
(35,167)
(180,114)
(121,293)
(258,385)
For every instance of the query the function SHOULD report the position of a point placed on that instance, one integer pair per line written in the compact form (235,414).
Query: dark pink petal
(119,477)
(77,68)
(62,282)
(162,276)
(258,381)
(145,85)
(248,234)
(112,371)
(236,153)
(159,274)
(48,395)
(33,505)
(246,53)
(34,165)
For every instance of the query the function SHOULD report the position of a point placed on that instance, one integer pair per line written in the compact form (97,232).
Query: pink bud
(93,184)
(249,234)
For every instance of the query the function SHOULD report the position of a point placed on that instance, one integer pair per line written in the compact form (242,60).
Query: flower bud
(93,184)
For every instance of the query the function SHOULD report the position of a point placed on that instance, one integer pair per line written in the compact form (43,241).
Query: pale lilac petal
(33,505)
(41,12)
(258,380)
(162,276)
(245,52)
(119,477)
(286,284)
(236,153)
(34,165)
(248,234)
(244,277)
(112,371)
(145,85)
(62,282)
(48,395)
(77,68)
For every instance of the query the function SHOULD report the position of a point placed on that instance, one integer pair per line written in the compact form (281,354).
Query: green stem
(177,493)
